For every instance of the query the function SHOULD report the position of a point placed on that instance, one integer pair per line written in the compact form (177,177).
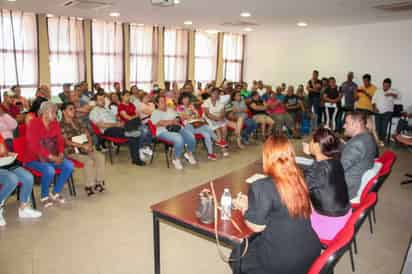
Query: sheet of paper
(303,161)
(255,177)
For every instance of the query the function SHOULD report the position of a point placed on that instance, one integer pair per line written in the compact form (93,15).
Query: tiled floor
(112,233)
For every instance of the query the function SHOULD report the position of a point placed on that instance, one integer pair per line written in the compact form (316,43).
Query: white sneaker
(177,164)
(142,155)
(29,212)
(2,221)
(189,157)
(147,150)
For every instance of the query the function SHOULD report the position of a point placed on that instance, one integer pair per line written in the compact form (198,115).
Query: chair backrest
(152,128)
(96,129)
(358,216)
(368,188)
(19,146)
(387,159)
(325,263)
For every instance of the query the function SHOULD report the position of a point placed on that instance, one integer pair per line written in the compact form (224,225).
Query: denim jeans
(47,170)
(381,122)
(250,126)
(9,180)
(179,140)
(145,137)
(208,135)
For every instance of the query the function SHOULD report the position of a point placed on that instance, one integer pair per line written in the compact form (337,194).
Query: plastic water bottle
(226,205)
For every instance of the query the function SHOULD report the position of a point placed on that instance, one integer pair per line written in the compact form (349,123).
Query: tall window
(18,51)
(205,56)
(66,51)
(107,40)
(143,56)
(233,56)
(175,54)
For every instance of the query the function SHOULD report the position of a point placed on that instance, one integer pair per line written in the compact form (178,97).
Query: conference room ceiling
(224,15)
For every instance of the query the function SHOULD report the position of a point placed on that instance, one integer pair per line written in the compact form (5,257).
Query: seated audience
(145,107)
(82,108)
(331,208)
(294,107)
(84,90)
(278,209)
(45,152)
(65,95)
(135,95)
(7,125)
(383,104)
(168,128)
(114,101)
(108,124)
(277,111)
(240,110)
(79,146)
(258,109)
(196,124)
(8,105)
(9,178)
(19,99)
(359,152)
(332,98)
(214,113)
(117,88)
(43,94)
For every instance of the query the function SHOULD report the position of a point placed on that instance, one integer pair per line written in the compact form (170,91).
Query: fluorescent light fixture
(302,24)
(245,14)
(247,29)
(80,18)
(188,23)
(140,25)
(212,31)
(177,1)
(114,14)
(11,0)
(49,15)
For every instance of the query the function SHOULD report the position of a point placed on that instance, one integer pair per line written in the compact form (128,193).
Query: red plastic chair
(19,145)
(111,140)
(387,159)
(326,262)
(156,140)
(21,129)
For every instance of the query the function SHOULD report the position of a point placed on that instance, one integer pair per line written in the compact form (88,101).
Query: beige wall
(87,30)
(43,44)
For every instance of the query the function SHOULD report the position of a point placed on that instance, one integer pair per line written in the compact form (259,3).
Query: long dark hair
(329,143)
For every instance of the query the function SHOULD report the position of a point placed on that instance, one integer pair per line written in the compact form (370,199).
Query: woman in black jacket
(331,208)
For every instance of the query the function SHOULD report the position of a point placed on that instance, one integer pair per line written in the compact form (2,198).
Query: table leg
(156,242)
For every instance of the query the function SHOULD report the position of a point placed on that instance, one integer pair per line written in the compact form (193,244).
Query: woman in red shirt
(45,153)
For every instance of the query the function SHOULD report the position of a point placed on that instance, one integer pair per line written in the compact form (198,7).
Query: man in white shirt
(383,103)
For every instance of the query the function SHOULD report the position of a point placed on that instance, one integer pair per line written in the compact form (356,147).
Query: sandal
(46,202)
(89,190)
(99,187)
(58,198)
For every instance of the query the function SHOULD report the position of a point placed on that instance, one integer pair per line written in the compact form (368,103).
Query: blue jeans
(146,137)
(47,170)
(208,135)
(9,180)
(179,140)
(250,126)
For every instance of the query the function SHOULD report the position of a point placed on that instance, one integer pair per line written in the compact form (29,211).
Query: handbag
(173,128)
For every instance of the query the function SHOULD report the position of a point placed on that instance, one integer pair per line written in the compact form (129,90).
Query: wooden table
(180,210)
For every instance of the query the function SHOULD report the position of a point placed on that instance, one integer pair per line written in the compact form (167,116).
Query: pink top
(7,126)
(279,109)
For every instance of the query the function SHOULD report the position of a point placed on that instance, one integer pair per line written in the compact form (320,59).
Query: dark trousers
(118,132)
(315,103)
(381,123)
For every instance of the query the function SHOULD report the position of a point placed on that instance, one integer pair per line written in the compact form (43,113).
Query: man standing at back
(365,94)
(359,152)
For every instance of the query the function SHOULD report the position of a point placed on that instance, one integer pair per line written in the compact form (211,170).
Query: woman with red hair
(278,208)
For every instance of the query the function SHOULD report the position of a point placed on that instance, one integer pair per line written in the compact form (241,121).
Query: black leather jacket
(327,187)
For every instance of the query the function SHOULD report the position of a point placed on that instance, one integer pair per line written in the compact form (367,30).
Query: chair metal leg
(167,155)
(370,222)
(73,186)
(33,199)
(355,244)
(153,149)
(111,153)
(352,262)
(374,215)
(69,185)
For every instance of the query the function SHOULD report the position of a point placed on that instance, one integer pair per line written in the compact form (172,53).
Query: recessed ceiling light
(302,24)
(49,15)
(245,14)
(11,0)
(188,23)
(247,29)
(177,1)
(212,31)
(114,14)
